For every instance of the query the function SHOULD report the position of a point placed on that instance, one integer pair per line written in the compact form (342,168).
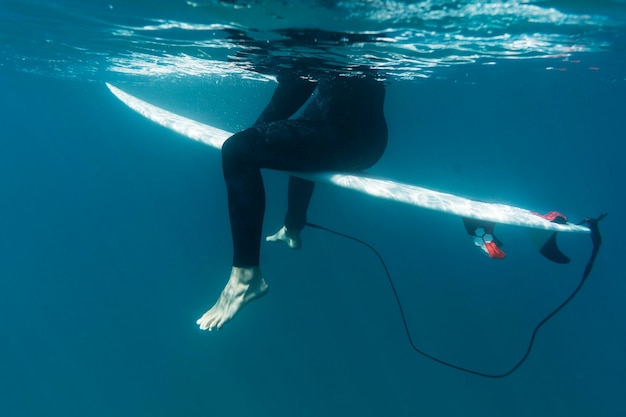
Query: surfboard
(480,217)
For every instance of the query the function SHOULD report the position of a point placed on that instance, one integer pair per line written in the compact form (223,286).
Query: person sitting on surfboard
(343,128)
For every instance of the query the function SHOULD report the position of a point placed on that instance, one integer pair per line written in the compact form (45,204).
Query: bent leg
(298,199)
(291,145)
(243,156)
(246,198)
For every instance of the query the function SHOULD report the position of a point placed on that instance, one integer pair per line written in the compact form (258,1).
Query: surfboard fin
(545,240)
(484,239)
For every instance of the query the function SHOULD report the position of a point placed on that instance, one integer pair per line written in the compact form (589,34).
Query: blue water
(115,236)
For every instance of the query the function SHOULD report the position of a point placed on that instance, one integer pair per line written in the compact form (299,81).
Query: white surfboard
(468,209)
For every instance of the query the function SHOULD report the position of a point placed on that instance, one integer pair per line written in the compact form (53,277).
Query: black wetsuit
(343,128)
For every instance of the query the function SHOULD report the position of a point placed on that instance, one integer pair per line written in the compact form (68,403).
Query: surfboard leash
(596,240)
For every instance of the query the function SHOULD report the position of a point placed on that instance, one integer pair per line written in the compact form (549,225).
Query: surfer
(342,129)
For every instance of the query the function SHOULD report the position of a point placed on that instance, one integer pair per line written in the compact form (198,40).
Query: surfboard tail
(484,238)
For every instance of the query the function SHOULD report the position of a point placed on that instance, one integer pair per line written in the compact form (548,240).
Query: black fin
(552,252)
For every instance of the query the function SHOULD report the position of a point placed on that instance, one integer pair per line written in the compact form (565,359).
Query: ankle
(292,233)
(245,274)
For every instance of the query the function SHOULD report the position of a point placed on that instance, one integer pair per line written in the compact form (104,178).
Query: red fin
(494,251)
(484,239)
(554,217)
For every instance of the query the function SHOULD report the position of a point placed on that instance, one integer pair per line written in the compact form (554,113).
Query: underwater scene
(116,236)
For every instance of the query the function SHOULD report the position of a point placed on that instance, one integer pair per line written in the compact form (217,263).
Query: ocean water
(115,236)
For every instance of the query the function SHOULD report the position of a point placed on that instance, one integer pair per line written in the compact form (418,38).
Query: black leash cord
(596,239)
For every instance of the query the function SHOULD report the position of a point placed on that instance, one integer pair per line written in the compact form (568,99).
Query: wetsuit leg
(290,145)
(246,202)
(298,198)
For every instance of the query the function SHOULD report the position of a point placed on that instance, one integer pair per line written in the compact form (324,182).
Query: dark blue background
(115,238)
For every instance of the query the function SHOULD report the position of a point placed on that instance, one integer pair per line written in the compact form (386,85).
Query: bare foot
(244,285)
(291,238)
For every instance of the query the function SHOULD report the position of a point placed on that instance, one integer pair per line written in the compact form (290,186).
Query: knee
(231,149)
(238,149)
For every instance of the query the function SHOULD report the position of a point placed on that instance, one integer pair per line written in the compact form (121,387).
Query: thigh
(289,145)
